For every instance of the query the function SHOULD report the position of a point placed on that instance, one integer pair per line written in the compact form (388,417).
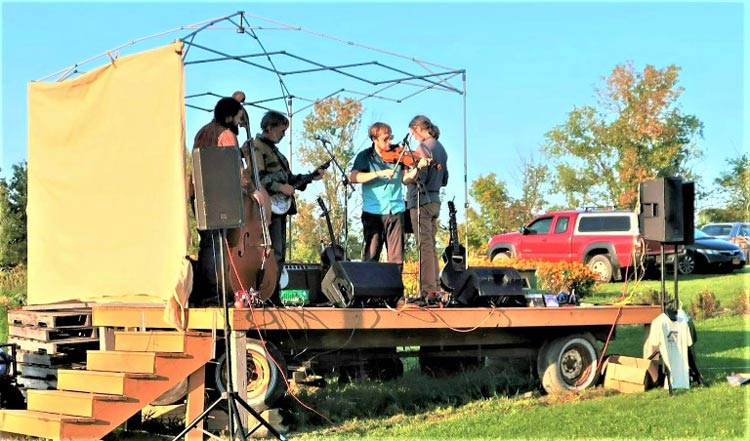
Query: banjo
(281,203)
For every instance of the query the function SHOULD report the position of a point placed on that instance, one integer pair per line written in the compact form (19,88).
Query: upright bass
(253,269)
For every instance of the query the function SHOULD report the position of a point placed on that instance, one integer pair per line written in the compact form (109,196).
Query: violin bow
(405,147)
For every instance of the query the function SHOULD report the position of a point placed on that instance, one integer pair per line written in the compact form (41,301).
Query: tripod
(230,395)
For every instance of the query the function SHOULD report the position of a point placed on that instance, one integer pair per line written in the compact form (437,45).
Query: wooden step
(82,404)
(154,341)
(126,361)
(41,424)
(113,383)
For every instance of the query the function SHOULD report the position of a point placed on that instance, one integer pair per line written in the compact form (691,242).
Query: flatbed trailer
(563,340)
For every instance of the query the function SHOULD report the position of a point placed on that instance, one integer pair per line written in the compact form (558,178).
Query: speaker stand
(231,396)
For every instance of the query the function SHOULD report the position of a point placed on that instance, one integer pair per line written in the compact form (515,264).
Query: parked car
(606,241)
(736,232)
(708,254)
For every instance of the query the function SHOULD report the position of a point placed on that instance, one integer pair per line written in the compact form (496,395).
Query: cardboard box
(629,374)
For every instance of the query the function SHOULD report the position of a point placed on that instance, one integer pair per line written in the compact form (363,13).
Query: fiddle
(399,154)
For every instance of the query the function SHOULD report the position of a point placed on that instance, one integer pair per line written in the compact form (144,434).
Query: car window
(744,230)
(540,226)
(562,224)
(718,230)
(701,234)
(604,223)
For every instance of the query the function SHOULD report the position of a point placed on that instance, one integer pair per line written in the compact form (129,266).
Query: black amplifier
(305,276)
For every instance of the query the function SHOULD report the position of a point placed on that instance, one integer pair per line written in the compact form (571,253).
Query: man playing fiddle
(382,197)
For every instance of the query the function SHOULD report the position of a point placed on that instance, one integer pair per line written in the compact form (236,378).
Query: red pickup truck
(606,241)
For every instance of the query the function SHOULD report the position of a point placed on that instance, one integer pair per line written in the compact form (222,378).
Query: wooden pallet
(48,360)
(39,372)
(58,319)
(51,334)
(72,346)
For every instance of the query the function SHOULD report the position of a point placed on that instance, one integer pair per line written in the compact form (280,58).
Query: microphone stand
(347,185)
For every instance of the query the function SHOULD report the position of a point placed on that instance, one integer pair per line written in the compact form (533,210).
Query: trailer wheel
(568,363)
(265,384)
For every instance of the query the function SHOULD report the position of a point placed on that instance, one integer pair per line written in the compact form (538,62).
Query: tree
(636,133)
(734,185)
(13,198)
(337,120)
(496,211)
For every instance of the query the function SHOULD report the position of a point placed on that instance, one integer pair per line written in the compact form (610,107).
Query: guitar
(454,255)
(281,203)
(333,251)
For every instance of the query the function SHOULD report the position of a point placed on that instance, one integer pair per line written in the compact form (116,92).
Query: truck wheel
(500,257)
(602,267)
(568,363)
(265,384)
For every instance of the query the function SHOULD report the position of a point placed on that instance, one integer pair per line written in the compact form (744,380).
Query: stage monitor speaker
(363,283)
(489,285)
(662,215)
(306,276)
(218,188)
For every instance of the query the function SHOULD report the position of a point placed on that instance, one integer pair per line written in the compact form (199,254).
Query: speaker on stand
(218,188)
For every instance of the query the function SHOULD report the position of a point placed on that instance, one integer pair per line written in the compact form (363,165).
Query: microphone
(405,141)
(321,139)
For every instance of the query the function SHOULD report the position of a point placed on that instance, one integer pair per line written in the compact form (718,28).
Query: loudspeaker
(218,188)
(662,215)
(305,276)
(362,283)
(688,212)
(490,285)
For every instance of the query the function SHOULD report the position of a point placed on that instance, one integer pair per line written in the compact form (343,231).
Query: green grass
(717,411)
(726,287)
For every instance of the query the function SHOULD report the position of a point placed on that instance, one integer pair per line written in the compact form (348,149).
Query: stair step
(112,383)
(79,404)
(127,361)
(154,341)
(39,424)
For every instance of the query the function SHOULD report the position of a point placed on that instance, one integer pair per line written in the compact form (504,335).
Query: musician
(382,197)
(423,201)
(277,177)
(222,131)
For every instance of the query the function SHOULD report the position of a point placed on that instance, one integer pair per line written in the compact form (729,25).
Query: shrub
(13,286)
(566,276)
(705,305)
(740,303)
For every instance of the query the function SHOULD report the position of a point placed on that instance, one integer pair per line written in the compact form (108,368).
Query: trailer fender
(570,362)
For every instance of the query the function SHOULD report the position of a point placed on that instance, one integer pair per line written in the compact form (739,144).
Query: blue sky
(527,65)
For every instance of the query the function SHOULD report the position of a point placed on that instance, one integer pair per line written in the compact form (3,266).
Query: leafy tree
(496,211)
(734,185)
(338,120)
(636,133)
(13,198)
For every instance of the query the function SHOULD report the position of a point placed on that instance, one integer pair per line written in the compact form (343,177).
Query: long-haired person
(423,201)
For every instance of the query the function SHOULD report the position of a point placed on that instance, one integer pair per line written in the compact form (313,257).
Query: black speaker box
(363,283)
(490,285)
(662,214)
(306,276)
(688,212)
(218,188)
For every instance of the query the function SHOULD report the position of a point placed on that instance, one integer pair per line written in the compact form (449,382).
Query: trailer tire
(265,383)
(568,363)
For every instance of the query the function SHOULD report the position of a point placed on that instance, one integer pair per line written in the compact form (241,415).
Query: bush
(705,305)
(13,286)
(566,276)
(740,304)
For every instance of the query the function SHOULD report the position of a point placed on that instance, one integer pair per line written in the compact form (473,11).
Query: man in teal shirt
(382,197)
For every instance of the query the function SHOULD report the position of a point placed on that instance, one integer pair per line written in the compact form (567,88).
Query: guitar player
(277,177)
